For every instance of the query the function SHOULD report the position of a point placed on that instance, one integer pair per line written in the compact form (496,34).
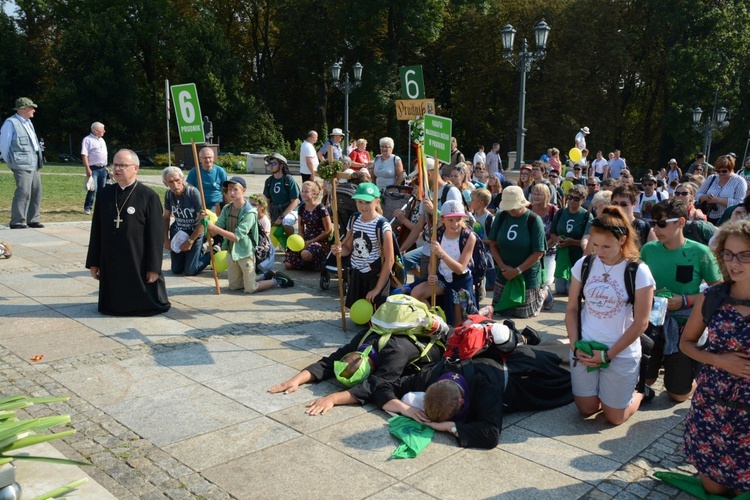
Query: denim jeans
(191,262)
(100,180)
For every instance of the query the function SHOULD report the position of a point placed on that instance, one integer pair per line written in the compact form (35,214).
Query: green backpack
(407,316)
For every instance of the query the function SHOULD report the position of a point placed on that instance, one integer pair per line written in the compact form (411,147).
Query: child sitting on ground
(236,223)
(453,279)
(258,201)
(315,227)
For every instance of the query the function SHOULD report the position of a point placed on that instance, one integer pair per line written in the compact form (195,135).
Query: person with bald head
(94,158)
(126,244)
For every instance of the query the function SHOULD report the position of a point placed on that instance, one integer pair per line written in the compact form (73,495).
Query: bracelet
(684,301)
(519,270)
(191,241)
(604,356)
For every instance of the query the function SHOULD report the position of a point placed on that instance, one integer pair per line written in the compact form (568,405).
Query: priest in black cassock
(126,244)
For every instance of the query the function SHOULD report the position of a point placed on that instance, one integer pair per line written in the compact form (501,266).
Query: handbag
(705,206)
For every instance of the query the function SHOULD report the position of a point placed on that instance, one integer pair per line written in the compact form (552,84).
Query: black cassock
(126,253)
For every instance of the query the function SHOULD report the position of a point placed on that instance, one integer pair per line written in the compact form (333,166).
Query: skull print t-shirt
(365,246)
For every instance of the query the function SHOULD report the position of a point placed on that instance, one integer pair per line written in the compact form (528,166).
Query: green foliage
(162,160)
(232,162)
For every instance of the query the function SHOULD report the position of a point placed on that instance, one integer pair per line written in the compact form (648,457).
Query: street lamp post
(717,121)
(523,61)
(346,87)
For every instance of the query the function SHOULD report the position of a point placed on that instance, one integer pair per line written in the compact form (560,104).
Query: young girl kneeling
(315,227)
(371,249)
(453,279)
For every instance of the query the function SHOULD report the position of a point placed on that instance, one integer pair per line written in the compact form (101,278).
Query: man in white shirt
(308,158)
(20,147)
(479,156)
(94,158)
(648,198)
(493,162)
(581,138)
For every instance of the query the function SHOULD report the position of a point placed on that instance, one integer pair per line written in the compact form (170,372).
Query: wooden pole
(203,202)
(433,257)
(337,240)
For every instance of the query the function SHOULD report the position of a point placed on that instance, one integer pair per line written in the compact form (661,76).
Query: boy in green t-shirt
(679,266)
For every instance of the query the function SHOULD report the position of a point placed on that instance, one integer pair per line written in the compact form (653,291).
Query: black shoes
(284,280)
(36,225)
(532,336)
(18,226)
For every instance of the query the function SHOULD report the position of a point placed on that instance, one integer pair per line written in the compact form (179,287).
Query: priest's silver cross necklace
(119,208)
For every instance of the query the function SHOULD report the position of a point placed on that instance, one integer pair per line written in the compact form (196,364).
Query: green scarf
(563,265)
(414,436)
(692,485)
(589,346)
(514,294)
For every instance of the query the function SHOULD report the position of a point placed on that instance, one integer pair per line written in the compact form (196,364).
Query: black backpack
(693,230)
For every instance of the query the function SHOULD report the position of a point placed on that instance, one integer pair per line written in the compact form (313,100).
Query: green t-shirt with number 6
(516,241)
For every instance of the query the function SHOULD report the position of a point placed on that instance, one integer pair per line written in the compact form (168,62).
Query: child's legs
(289,222)
(248,274)
(234,273)
(423,292)
(549,269)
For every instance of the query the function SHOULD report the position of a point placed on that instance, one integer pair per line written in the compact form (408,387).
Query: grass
(63,193)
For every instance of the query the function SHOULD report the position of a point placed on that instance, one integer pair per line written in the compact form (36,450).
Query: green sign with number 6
(188,112)
(412,82)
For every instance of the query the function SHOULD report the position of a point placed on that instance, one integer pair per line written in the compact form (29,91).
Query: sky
(10,7)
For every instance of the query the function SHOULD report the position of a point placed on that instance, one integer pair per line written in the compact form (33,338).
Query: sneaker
(217,249)
(531,336)
(269,275)
(283,280)
(549,300)
(86,211)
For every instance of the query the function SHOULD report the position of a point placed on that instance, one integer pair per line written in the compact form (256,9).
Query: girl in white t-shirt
(608,318)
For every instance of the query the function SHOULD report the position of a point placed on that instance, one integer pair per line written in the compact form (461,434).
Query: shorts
(679,369)
(613,385)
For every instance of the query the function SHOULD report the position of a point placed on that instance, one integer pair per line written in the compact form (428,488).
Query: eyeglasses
(122,166)
(623,204)
(681,193)
(535,170)
(723,171)
(554,176)
(272,163)
(728,256)
(574,198)
(699,169)
(661,224)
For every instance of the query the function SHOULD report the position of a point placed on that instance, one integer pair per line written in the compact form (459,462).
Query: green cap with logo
(367,191)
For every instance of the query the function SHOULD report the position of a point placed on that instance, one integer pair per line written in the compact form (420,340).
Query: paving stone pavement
(175,406)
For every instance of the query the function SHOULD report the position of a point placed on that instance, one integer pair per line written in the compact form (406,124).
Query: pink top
(554,162)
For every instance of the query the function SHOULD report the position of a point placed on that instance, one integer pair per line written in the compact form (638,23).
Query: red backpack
(467,341)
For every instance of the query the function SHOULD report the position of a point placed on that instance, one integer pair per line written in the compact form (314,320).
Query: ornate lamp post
(717,121)
(346,87)
(523,61)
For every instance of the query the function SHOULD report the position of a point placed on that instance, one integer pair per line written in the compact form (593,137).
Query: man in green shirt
(679,266)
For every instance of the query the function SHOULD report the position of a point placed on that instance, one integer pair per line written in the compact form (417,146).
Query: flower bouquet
(328,170)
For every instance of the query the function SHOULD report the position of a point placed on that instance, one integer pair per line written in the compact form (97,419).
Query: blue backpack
(481,258)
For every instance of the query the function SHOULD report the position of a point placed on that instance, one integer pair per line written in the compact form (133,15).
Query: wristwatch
(454,431)
(191,241)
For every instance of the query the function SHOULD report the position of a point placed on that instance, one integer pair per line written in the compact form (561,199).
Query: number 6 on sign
(188,113)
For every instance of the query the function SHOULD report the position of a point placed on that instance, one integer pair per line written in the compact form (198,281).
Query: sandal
(7,252)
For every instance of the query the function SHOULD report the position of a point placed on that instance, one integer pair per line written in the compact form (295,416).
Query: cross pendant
(117,221)
(606,276)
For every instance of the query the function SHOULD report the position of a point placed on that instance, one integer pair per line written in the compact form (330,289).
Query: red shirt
(358,156)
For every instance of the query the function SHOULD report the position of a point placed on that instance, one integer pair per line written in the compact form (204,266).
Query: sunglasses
(723,171)
(728,256)
(661,224)
(272,163)
(681,193)
(574,198)
(648,183)
(554,176)
(592,185)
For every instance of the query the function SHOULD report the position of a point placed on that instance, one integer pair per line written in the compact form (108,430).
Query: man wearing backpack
(184,238)
(679,266)
(648,198)
(282,193)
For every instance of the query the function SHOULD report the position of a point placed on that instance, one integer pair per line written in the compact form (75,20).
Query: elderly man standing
(94,158)
(184,238)
(308,158)
(494,163)
(125,246)
(334,143)
(212,178)
(20,148)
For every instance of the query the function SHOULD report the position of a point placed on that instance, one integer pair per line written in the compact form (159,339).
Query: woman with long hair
(717,427)
(605,331)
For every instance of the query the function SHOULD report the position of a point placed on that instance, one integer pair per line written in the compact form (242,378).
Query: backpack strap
(488,225)
(444,195)
(715,296)
(585,271)
(630,271)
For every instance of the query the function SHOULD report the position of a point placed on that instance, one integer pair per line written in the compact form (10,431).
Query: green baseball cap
(367,191)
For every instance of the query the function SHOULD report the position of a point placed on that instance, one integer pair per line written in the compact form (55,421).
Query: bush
(161,160)
(232,162)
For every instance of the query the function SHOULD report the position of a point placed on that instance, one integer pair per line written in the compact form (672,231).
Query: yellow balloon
(295,243)
(575,154)
(361,311)
(220,261)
